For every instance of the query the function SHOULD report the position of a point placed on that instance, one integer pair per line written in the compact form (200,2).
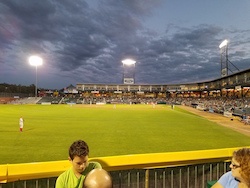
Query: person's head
(78,155)
(240,165)
(98,178)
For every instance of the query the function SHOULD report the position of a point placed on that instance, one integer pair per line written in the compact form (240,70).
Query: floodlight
(35,61)
(224,59)
(128,71)
(224,43)
(128,62)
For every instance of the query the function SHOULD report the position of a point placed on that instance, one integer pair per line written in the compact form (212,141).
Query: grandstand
(232,86)
(230,93)
(235,86)
(50,100)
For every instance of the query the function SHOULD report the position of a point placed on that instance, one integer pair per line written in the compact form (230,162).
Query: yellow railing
(27,171)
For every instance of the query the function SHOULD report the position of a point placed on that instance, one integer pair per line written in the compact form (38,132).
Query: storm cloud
(85,42)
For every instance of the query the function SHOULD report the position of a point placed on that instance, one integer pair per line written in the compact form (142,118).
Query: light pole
(224,58)
(129,75)
(35,61)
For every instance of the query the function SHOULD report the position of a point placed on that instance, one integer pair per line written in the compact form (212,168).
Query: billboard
(128,81)
(224,72)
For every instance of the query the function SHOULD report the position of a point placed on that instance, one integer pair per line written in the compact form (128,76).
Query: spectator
(239,176)
(78,156)
(98,178)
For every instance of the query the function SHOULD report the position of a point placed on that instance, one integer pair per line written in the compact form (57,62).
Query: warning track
(232,123)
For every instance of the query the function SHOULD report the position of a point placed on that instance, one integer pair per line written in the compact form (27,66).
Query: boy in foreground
(78,156)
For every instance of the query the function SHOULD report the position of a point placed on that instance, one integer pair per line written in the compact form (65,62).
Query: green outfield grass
(128,129)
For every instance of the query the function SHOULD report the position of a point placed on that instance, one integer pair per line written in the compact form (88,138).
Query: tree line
(12,88)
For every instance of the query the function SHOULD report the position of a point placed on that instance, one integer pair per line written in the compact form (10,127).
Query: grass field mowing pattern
(126,129)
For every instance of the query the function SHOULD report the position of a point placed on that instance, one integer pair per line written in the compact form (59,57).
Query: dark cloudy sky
(84,41)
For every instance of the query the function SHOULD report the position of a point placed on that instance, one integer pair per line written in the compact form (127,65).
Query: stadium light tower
(128,71)
(35,61)
(224,59)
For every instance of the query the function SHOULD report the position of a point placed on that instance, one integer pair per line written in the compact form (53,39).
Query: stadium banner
(211,110)
(182,87)
(128,80)
(46,103)
(140,92)
(117,91)
(71,103)
(200,107)
(100,103)
(224,72)
(238,87)
(228,114)
(94,91)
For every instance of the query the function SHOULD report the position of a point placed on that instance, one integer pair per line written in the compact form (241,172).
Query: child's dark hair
(78,148)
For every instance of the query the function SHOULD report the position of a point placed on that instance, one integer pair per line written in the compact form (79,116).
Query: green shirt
(68,179)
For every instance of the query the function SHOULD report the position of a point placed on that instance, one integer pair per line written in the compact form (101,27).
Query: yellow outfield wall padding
(27,171)
(37,170)
(3,173)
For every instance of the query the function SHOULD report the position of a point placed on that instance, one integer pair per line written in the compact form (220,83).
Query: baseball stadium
(138,98)
(144,135)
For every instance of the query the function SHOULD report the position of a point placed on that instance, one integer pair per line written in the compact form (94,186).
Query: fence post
(147,178)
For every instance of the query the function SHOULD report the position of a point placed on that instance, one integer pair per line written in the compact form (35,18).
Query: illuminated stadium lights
(128,62)
(224,43)
(35,61)
(224,59)
(128,71)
